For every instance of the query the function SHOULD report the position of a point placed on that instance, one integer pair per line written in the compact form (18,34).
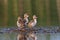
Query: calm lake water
(40,36)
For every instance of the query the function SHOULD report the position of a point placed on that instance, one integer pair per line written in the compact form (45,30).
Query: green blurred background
(47,11)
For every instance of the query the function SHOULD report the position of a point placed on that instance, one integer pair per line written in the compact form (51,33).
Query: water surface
(40,36)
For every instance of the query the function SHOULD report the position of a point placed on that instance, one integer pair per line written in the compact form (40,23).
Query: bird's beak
(36,17)
(28,16)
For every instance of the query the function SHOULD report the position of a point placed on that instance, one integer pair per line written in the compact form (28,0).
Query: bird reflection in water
(31,36)
(21,37)
(27,36)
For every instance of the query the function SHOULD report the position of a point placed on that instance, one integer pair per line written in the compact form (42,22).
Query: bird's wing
(30,23)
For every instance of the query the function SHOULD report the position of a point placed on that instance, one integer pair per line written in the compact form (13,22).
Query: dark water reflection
(42,36)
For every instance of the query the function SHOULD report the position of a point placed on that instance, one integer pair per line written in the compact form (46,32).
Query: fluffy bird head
(34,17)
(26,15)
